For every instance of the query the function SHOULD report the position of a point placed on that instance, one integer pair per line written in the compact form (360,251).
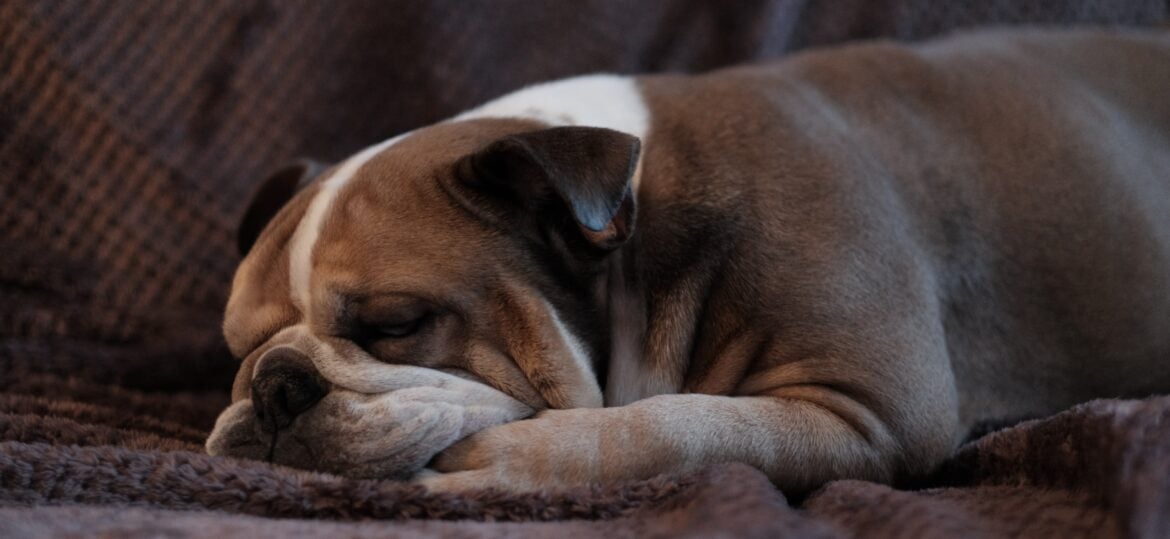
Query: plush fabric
(1098,470)
(132,131)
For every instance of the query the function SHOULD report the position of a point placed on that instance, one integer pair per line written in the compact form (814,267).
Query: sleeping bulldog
(829,267)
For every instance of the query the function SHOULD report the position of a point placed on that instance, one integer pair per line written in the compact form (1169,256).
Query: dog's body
(841,264)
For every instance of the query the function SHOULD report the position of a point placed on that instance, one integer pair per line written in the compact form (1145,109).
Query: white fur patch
(590,397)
(300,266)
(609,101)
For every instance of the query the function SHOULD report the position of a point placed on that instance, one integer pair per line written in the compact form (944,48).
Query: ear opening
(271,195)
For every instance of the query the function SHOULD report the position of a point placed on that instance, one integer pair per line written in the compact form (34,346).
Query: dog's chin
(387,436)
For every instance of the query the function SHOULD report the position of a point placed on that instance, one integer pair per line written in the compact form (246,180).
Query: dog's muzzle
(355,416)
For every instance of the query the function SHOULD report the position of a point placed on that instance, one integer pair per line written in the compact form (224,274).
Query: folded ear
(586,170)
(271,195)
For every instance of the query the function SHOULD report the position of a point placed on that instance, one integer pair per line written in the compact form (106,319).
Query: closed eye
(399,331)
(385,323)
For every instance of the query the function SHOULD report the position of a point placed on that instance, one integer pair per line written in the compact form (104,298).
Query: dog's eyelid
(394,325)
(402,330)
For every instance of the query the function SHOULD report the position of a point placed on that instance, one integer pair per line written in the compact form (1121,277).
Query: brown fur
(857,254)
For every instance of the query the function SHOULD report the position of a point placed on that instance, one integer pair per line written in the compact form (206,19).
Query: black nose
(285,385)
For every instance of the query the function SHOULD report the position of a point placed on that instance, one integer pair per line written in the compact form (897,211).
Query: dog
(831,266)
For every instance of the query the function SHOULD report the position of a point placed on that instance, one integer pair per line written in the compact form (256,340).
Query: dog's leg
(798,441)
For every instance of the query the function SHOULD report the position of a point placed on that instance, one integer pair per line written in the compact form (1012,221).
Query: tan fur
(380,239)
(844,261)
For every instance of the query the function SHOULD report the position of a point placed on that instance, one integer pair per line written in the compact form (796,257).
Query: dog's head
(428,287)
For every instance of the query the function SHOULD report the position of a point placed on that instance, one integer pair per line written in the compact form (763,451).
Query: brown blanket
(131,132)
(1101,469)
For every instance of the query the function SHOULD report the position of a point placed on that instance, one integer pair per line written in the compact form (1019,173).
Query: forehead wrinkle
(392,229)
(309,229)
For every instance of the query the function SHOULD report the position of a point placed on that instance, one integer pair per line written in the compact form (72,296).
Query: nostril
(285,386)
(300,392)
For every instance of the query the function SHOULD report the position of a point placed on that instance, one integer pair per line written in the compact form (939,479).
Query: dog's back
(839,264)
(1021,181)
(1055,242)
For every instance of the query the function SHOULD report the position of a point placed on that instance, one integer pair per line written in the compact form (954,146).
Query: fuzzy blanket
(125,463)
(132,131)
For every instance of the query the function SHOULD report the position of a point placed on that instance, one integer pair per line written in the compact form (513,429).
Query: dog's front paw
(557,448)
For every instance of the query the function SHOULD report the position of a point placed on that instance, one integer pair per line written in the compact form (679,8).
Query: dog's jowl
(828,267)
